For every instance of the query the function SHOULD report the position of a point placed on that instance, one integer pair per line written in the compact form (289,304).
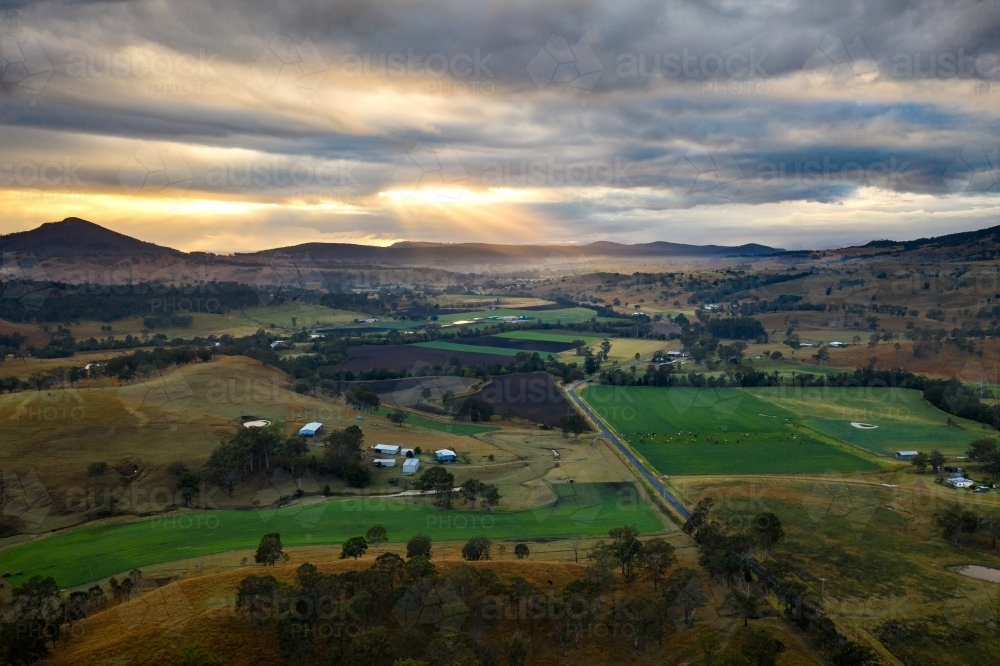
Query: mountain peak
(76,236)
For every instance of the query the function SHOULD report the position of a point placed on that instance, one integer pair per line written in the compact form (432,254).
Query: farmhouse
(446,455)
(385,462)
(959,482)
(836,343)
(905,455)
(410,466)
(387,449)
(277,344)
(310,429)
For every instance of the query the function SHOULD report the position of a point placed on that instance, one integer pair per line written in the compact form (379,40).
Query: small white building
(311,429)
(407,452)
(906,455)
(277,344)
(385,462)
(410,466)
(835,343)
(959,482)
(387,449)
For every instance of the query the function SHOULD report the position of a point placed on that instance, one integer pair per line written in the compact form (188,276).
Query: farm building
(310,429)
(446,455)
(905,455)
(959,482)
(385,462)
(407,452)
(837,343)
(387,449)
(410,466)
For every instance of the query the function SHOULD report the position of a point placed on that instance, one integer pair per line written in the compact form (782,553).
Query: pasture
(905,420)
(548,336)
(715,431)
(450,427)
(100,550)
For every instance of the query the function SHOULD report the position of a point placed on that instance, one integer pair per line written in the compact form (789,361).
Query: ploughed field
(363,358)
(716,431)
(94,551)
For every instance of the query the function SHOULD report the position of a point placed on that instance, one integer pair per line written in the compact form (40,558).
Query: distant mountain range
(75,237)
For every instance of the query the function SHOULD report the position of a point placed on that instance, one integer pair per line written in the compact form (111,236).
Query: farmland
(450,427)
(362,358)
(103,549)
(519,344)
(904,419)
(532,396)
(715,431)
(447,345)
(548,336)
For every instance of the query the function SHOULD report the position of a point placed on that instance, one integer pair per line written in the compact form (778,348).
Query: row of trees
(728,556)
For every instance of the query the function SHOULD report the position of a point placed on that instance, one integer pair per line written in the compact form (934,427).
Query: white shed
(404,452)
(385,462)
(387,449)
(959,482)
(410,466)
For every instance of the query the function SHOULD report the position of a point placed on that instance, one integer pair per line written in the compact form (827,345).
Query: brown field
(200,609)
(408,357)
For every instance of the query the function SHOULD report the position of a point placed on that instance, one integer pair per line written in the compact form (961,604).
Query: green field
(904,419)
(468,349)
(566,315)
(450,427)
(715,431)
(94,551)
(545,336)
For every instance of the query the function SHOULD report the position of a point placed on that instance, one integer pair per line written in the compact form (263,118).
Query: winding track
(646,473)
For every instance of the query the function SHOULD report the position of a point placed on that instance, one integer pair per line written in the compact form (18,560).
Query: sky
(232,125)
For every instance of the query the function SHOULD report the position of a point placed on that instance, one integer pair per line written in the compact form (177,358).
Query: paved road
(646,473)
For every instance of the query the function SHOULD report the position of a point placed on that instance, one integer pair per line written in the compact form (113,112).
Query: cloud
(264,124)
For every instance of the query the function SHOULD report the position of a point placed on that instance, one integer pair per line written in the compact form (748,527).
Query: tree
(269,551)
(475,409)
(709,644)
(921,461)
(853,654)
(392,565)
(362,398)
(295,637)
(955,521)
(760,647)
(655,557)
(439,481)
(398,417)
(188,486)
(376,535)
(477,548)
(354,547)
(743,599)
(626,546)
(768,528)
(517,649)
(343,449)
(196,655)
(822,355)
(684,589)
(371,647)
(936,460)
(573,423)
(793,341)
(419,545)
(986,452)
(521,551)
(226,463)
(357,476)
(605,348)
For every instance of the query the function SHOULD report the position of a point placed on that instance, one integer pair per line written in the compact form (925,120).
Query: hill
(75,237)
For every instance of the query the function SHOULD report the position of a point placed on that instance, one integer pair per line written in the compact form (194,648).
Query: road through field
(646,473)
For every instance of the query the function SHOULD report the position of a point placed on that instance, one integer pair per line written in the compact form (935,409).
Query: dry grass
(199,609)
